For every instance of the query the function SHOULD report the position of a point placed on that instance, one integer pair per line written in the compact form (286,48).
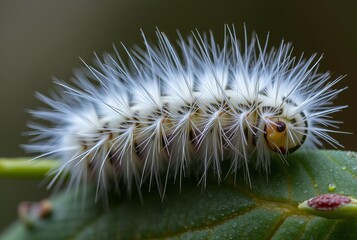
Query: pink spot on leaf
(328,201)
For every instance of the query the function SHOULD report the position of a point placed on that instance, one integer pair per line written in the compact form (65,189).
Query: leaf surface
(231,210)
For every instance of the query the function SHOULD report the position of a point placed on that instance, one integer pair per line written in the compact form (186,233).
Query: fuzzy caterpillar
(171,112)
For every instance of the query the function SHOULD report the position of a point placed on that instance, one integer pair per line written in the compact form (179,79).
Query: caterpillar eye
(281,135)
(280,126)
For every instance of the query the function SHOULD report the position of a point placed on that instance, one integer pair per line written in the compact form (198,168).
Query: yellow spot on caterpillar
(276,136)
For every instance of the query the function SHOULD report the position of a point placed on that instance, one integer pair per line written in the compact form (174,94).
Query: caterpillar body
(170,112)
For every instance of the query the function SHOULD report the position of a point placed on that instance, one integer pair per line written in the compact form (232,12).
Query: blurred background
(42,39)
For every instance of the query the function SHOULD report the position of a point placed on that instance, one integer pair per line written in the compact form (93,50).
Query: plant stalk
(23,168)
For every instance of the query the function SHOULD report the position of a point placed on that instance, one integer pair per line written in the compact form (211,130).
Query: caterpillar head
(284,135)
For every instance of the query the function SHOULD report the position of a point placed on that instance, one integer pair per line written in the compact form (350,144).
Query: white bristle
(171,112)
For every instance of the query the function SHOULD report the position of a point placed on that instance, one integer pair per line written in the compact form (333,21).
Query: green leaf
(269,209)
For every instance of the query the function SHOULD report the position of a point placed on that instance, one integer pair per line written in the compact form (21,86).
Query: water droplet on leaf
(331,187)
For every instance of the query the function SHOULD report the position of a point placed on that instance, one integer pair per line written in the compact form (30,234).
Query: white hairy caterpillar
(171,112)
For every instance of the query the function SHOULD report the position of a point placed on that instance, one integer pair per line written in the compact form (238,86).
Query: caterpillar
(175,109)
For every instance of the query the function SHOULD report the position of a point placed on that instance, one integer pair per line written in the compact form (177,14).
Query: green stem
(23,168)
